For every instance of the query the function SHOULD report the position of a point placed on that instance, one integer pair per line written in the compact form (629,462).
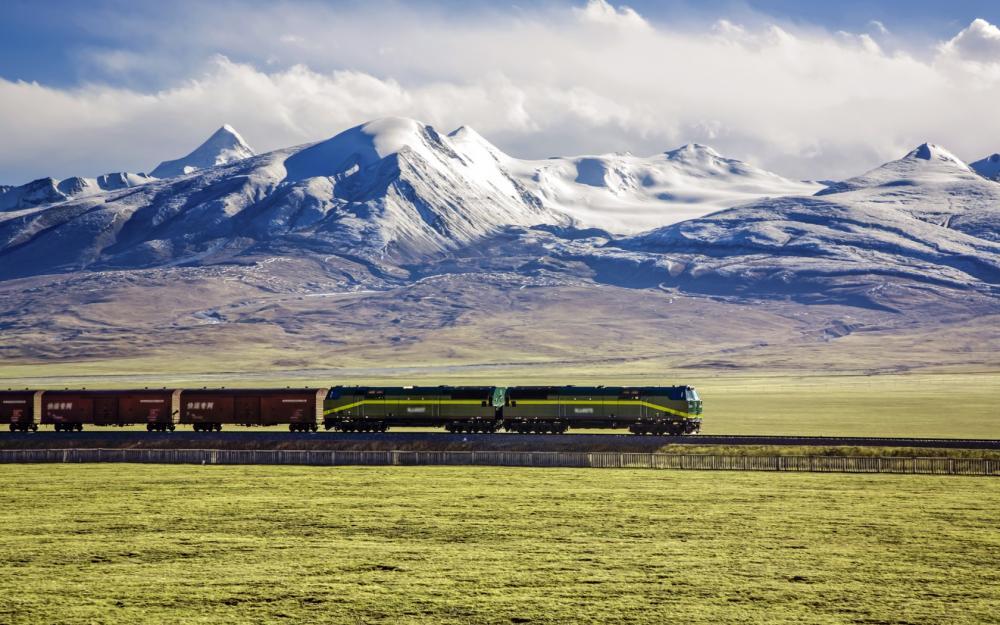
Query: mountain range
(395,205)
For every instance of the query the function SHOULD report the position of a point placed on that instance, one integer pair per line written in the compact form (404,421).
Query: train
(662,410)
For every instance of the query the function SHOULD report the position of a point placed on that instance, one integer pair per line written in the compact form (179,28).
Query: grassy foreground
(156,544)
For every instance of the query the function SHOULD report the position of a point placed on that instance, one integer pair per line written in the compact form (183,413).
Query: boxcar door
(105,410)
(247,410)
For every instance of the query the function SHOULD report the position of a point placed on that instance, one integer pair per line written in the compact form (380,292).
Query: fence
(607,460)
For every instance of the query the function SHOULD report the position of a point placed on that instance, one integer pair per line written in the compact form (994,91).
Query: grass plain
(492,545)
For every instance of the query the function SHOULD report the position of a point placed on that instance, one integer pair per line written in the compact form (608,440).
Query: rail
(605,460)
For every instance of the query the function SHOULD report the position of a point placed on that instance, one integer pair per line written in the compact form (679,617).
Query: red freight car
(70,410)
(18,409)
(208,409)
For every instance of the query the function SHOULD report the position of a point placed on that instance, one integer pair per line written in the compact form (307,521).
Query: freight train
(671,410)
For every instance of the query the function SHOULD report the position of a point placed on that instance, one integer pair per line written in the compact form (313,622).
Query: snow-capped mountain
(626,194)
(930,184)
(46,191)
(402,201)
(223,147)
(391,190)
(925,219)
(988,167)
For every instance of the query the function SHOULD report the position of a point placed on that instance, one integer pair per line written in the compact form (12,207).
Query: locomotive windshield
(692,395)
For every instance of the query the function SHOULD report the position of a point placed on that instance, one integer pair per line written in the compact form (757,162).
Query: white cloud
(980,42)
(878,27)
(600,12)
(805,103)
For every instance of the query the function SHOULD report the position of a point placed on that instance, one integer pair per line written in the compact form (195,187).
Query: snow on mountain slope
(390,190)
(400,200)
(988,167)
(930,184)
(46,191)
(626,194)
(223,147)
(925,219)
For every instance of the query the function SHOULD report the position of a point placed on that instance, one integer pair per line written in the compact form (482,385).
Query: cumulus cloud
(980,42)
(600,12)
(540,82)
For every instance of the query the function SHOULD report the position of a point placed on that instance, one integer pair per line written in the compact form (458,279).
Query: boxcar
(17,408)
(70,410)
(642,409)
(375,409)
(208,409)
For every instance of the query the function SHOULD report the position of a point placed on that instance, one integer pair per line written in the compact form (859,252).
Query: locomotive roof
(411,390)
(597,390)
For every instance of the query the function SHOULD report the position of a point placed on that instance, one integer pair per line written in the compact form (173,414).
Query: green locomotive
(375,409)
(670,410)
(642,409)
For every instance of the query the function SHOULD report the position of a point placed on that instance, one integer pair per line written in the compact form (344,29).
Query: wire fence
(604,460)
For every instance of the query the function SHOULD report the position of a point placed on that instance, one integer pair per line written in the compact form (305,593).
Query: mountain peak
(988,167)
(223,147)
(692,150)
(927,164)
(389,135)
(227,135)
(932,152)
(366,144)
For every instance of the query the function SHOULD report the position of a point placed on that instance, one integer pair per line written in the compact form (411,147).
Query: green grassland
(923,405)
(157,544)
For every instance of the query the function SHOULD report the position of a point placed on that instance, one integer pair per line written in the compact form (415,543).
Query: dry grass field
(172,544)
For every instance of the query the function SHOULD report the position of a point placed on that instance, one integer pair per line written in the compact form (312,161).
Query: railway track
(443,440)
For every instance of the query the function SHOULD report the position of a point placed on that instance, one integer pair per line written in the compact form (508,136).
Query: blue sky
(809,89)
(49,40)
